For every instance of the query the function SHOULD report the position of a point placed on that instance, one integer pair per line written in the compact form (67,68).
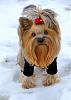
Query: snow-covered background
(10,88)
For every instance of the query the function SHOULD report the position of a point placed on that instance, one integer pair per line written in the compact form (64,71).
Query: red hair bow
(38,21)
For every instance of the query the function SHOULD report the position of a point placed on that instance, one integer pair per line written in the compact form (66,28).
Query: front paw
(27,82)
(50,79)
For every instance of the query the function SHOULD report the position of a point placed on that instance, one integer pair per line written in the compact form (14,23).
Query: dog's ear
(25,23)
(54,14)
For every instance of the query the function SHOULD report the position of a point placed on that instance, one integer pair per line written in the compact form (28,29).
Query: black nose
(40,39)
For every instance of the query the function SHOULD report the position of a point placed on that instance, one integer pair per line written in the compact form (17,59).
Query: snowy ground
(10,88)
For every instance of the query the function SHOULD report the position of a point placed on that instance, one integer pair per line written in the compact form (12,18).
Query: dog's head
(40,38)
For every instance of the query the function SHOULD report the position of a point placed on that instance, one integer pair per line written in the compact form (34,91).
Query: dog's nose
(40,39)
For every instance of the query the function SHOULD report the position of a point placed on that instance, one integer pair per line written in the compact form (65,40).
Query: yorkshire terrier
(39,38)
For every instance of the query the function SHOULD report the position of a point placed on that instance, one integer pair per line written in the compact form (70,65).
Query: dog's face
(40,42)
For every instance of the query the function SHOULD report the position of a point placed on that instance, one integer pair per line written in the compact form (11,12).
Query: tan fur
(27,82)
(50,79)
(38,55)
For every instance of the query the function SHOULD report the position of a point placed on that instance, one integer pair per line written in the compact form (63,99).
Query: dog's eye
(33,34)
(45,32)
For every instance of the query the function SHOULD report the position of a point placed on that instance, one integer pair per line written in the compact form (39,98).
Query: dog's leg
(51,76)
(20,58)
(52,68)
(27,78)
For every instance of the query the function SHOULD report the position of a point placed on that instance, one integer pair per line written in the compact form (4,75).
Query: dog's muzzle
(44,50)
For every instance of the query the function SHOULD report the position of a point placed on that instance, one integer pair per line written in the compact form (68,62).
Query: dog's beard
(41,52)
(44,54)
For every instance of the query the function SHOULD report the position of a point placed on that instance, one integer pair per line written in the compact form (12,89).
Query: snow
(66,95)
(10,87)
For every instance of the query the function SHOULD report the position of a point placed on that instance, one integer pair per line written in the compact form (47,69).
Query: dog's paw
(50,79)
(27,82)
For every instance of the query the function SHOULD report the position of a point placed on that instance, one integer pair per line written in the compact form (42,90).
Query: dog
(39,39)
